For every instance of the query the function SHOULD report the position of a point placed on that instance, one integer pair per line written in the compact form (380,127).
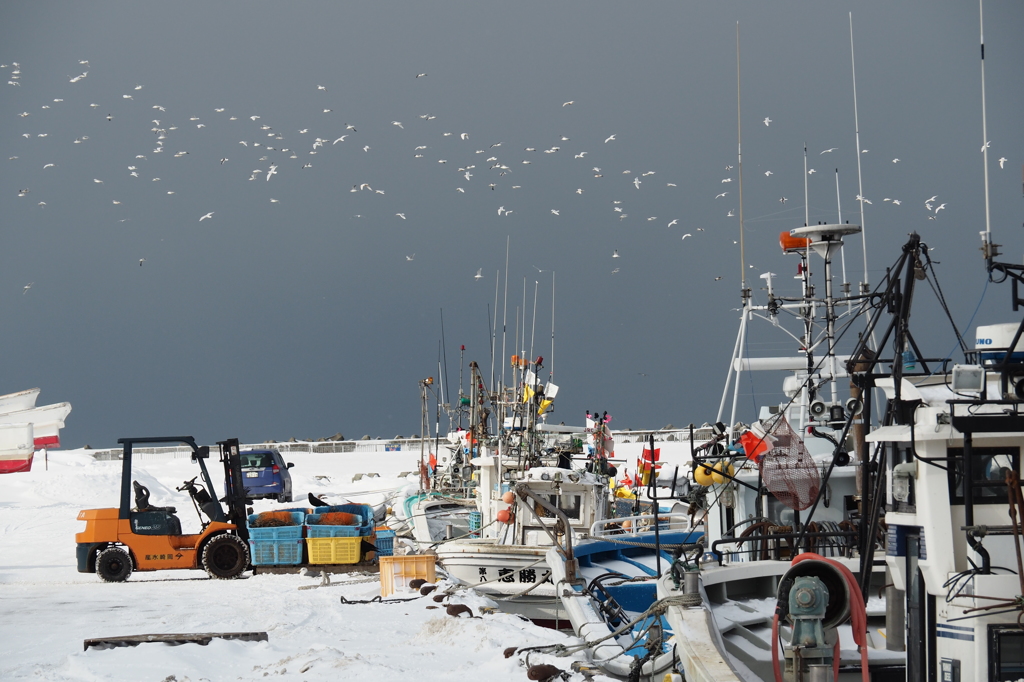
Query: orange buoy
(506,516)
(509,497)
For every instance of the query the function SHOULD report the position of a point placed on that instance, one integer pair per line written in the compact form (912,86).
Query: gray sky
(303,317)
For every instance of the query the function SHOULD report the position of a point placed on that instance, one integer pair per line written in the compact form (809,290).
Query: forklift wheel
(225,557)
(113,565)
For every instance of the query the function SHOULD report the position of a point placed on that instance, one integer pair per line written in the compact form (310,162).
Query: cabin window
(988,469)
(568,504)
(1005,653)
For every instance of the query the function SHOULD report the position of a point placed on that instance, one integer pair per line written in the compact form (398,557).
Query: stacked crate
(338,544)
(277,545)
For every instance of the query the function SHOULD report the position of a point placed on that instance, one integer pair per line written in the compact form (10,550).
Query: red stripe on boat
(14,466)
(47,441)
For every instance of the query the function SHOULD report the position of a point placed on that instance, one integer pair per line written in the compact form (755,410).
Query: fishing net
(788,470)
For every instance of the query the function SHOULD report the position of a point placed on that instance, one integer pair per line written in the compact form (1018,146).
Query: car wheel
(225,557)
(114,565)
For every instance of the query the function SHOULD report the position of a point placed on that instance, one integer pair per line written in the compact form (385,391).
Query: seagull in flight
(321,87)
(615,253)
(636,182)
(986,145)
(412,257)
(609,139)
(674,221)
(1002,161)
(24,289)
(565,104)
(479,274)
(615,270)
(401,215)
(208,215)
(768,174)
(687,235)
(811,172)
(141,261)
(554,211)
(895,160)
(398,123)
(731,213)
(420,75)
(767,121)
(721,195)
(783,200)
(829,151)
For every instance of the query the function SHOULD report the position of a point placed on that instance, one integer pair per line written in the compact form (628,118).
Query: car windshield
(257,459)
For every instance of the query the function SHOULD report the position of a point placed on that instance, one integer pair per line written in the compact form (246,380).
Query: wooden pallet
(201,638)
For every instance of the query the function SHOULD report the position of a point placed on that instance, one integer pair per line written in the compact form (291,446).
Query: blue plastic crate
(276,552)
(385,543)
(363,511)
(315,530)
(277,532)
(475,521)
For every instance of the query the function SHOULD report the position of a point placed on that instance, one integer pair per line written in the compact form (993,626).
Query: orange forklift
(117,541)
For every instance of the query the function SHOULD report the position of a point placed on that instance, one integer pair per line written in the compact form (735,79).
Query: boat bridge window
(568,504)
(988,469)
(1005,653)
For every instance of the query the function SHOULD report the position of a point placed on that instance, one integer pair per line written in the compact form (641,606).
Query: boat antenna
(444,377)
(807,205)
(986,237)
(522,336)
(494,328)
(744,293)
(860,183)
(504,314)
(551,358)
(533,329)
(842,252)
(462,364)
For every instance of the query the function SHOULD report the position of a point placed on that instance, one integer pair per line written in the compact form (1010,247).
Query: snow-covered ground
(47,608)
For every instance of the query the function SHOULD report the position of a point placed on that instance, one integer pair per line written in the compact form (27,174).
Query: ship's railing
(411,444)
(778,545)
(304,447)
(641,523)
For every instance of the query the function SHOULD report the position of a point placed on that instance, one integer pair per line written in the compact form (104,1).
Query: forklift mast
(235,494)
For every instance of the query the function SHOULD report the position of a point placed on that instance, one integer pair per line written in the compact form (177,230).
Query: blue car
(265,474)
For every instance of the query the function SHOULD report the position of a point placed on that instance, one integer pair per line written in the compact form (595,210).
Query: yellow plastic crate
(333,550)
(397,571)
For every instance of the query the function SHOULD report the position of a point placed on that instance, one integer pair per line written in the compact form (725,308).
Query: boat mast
(864,286)
(988,248)
(551,358)
(504,317)
(744,291)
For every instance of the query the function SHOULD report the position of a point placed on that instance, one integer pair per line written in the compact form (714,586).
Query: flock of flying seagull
(476,167)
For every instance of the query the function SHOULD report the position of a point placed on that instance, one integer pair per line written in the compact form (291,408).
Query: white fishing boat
(16,447)
(16,402)
(47,420)
(25,428)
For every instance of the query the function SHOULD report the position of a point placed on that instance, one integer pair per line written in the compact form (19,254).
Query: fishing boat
(25,428)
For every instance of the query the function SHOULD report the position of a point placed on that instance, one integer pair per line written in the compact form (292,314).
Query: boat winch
(814,596)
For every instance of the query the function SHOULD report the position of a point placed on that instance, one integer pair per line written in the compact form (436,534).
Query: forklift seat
(142,500)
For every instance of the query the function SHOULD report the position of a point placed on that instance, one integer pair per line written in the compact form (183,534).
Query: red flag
(754,446)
